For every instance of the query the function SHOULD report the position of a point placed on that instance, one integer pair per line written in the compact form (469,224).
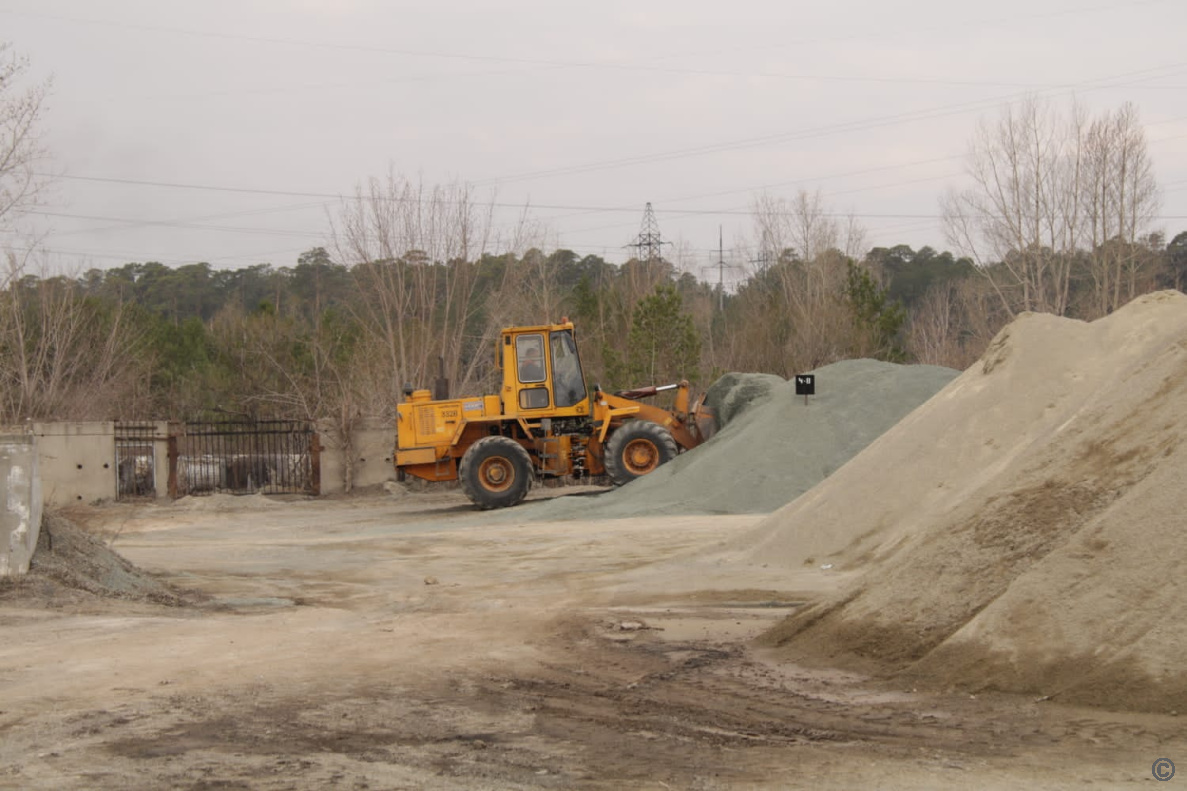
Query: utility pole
(648,252)
(720,272)
(648,244)
(765,252)
(720,266)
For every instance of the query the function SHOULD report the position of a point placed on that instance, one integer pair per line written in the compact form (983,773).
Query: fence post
(171,444)
(315,463)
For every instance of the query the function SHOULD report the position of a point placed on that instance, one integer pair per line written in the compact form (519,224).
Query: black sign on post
(805,385)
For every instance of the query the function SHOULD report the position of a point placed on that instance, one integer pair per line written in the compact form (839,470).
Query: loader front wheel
(637,448)
(496,472)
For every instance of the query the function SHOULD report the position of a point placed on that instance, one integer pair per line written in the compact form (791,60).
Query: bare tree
(318,373)
(801,224)
(1047,190)
(954,322)
(62,356)
(540,291)
(932,333)
(21,152)
(1120,198)
(432,277)
(1022,214)
(797,304)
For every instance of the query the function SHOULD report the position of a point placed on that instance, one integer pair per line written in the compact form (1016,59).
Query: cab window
(568,383)
(529,351)
(533,398)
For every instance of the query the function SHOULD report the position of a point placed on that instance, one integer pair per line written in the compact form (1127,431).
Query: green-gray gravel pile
(771,447)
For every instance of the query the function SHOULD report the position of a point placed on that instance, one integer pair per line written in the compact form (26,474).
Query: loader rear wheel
(637,448)
(496,472)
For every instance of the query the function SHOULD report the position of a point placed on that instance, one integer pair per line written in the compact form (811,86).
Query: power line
(864,124)
(294,193)
(1001,22)
(184,225)
(496,204)
(634,64)
(517,61)
(740,210)
(560,207)
(736,210)
(808,133)
(114,256)
(502,204)
(788,183)
(687,213)
(125,224)
(192,186)
(578,209)
(534,62)
(295,42)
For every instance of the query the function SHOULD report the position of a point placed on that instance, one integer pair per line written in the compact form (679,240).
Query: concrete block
(77,461)
(20,504)
(371,455)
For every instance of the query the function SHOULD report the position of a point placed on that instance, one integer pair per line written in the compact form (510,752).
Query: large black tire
(496,472)
(636,448)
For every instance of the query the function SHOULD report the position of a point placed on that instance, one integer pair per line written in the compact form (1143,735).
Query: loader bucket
(704,421)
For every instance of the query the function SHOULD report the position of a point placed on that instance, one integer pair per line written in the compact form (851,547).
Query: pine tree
(663,343)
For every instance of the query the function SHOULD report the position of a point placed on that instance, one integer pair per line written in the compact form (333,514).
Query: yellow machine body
(544,405)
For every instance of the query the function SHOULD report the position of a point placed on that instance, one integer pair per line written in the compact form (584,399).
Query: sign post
(805,385)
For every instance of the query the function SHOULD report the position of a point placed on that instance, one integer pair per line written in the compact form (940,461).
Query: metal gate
(245,457)
(135,462)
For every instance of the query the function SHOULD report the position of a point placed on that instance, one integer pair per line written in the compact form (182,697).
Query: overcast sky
(222,130)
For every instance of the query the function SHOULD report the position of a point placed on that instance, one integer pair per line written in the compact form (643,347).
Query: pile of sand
(221,501)
(1022,531)
(771,447)
(70,563)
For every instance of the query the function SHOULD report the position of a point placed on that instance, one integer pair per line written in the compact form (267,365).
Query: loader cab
(542,374)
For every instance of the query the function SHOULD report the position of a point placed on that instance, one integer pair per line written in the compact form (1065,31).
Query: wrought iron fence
(135,461)
(245,457)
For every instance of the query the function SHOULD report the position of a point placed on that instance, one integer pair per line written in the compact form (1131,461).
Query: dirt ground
(410,643)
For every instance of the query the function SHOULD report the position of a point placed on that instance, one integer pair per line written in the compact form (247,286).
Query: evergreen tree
(877,320)
(663,345)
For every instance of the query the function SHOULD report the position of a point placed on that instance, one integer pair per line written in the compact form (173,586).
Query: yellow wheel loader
(544,422)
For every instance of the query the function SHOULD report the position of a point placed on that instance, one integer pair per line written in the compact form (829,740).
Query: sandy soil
(1021,531)
(384,643)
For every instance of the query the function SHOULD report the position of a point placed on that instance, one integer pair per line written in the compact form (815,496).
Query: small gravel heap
(70,564)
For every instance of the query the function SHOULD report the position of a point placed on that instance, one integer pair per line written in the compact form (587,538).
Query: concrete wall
(77,462)
(371,452)
(20,506)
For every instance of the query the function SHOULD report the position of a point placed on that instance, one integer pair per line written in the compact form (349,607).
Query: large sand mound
(1023,530)
(771,447)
